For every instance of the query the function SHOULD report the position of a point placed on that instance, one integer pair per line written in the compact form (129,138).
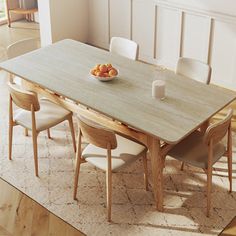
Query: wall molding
(197,11)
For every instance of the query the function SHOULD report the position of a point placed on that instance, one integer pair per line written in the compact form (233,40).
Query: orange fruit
(109,67)
(93,72)
(98,73)
(113,72)
(103,68)
(97,67)
(103,75)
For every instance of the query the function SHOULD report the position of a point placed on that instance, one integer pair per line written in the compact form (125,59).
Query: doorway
(3,15)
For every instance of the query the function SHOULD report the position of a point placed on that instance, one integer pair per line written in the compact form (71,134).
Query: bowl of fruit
(104,72)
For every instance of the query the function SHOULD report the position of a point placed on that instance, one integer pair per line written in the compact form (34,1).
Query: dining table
(61,72)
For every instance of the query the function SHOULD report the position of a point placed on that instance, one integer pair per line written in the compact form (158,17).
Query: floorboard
(230,230)
(20,215)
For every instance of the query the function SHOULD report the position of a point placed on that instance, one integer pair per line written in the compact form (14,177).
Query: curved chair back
(96,134)
(217,132)
(23,98)
(21,47)
(124,47)
(194,69)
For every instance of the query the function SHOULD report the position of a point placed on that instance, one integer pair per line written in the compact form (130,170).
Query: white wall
(69,19)
(60,19)
(45,22)
(98,26)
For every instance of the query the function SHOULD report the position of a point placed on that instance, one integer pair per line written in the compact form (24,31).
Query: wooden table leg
(9,20)
(8,13)
(157,170)
(204,126)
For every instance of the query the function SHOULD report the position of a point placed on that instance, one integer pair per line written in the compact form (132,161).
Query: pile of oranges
(104,70)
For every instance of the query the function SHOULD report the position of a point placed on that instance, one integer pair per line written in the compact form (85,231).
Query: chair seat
(194,151)
(126,152)
(49,115)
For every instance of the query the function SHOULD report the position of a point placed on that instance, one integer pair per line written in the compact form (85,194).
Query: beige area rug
(133,210)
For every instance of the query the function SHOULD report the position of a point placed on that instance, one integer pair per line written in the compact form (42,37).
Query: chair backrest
(124,47)
(96,134)
(23,98)
(216,132)
(21,47)
(194,69)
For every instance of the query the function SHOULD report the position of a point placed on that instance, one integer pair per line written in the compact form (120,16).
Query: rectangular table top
(64,68)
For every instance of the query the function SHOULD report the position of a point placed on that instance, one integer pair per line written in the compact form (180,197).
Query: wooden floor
(230,230)
(20,215)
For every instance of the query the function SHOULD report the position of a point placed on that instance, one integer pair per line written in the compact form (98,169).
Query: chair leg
(78,163)
(182,166)
(48,133)
(209,185)
(35,147)
(77,170)
(109,186)
(9,20)
(229,151)
(230,172)
(70,120)
(145,171)
(10,140)
(26,132)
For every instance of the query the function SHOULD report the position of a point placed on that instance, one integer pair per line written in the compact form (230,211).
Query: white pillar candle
(158,89)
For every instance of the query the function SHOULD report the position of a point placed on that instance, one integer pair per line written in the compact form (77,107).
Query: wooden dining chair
(108,152)
(204,150)
(22,46)
(19,48)
(35,116)
(23,8)
(124,47)
(194,69)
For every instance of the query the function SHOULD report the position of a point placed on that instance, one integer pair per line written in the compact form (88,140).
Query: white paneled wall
(144,36)
(195,38)
(168,36)
(120,18)
(99,23)
(60,19)
(223,57)
(167,29)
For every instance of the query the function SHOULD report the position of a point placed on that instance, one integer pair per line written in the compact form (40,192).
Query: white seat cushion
(49,115)
(126,152)
(194,151)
